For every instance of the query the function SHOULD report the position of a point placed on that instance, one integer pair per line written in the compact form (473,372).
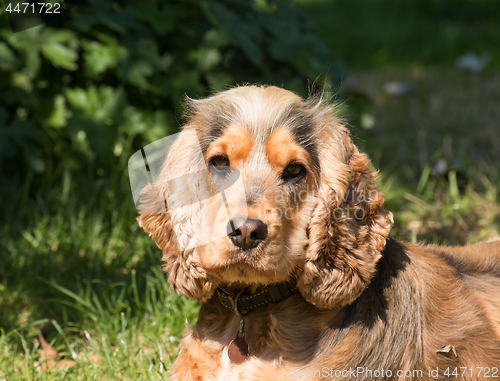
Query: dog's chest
(233,372)
(252,369)
(207,360)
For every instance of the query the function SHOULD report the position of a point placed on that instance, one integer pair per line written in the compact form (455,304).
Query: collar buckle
(234,303)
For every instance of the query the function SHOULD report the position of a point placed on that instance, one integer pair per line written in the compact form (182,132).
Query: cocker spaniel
(268,214)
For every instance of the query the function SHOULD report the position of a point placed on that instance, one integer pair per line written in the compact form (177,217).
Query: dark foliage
(83,91)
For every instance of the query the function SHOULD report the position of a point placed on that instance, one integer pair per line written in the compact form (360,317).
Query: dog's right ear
(174,229)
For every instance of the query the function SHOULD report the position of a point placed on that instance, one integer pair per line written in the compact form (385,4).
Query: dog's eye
(294,172)
(219,161)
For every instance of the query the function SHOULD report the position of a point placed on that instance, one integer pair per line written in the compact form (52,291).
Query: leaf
(216,38)
(33,62)
(60,55)
(7,57)
(134,121)
(28,43)
(100,57)
(243,35)
(208,58)
(48,356)
(59,114)
(59,35)
(92,137)
(59,47)
(137,73)
(95,103)
(78,99)
(447,349)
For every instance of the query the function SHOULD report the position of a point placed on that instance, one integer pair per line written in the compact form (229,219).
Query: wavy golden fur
(365,302)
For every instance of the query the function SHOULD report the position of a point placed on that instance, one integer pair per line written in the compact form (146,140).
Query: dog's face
(311,209)
(279,170)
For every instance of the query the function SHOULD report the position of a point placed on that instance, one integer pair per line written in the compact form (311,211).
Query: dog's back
(479,267)
(453,297)
(478,259)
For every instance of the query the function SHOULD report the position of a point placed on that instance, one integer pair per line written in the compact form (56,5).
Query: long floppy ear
(170,213)
(348,227)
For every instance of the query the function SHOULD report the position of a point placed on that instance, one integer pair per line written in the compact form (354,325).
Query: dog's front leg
(197,360)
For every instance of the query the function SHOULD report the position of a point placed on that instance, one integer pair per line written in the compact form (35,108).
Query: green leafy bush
(86,90)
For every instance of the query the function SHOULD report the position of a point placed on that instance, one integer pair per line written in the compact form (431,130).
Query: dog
(295,269)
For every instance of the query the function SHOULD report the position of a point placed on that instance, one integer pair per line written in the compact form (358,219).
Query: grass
(121,332)
(90,281)
(453,118)
(75,267)
(391,34)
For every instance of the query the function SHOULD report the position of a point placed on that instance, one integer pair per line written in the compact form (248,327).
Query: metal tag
(238,350)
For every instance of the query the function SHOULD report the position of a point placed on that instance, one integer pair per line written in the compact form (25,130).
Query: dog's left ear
(348,227)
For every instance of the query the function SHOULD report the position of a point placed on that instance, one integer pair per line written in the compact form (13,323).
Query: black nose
(248,234)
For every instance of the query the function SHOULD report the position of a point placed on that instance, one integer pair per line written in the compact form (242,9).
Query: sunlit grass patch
(119,333)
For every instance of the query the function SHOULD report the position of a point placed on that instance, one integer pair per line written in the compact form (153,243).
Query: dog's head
(311,207)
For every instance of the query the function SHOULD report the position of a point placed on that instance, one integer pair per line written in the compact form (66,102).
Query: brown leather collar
(244,302)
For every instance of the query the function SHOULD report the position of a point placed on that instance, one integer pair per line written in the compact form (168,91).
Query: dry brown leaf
(57,365)
(447,349)
(94,359)
(47,352)
(48,355)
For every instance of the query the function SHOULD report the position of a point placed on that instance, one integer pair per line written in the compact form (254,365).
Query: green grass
(75,265)
(453,117)
(87,276)
(404,33)
(119,331)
